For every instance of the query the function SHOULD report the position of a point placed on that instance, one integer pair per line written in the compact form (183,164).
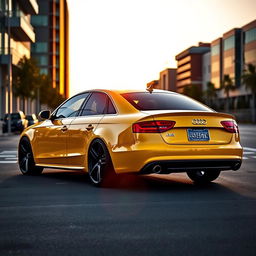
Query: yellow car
(107,132)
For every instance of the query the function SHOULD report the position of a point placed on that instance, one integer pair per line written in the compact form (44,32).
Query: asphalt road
(60,213)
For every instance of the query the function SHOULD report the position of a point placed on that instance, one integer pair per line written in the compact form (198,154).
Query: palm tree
(210,93)
(227,85)
(249,79)
(194,91)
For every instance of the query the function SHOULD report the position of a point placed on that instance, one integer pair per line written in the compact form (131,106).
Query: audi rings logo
(199,121)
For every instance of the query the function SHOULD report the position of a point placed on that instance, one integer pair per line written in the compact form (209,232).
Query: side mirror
(45,114)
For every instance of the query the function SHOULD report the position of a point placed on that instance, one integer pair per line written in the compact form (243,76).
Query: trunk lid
(194,128)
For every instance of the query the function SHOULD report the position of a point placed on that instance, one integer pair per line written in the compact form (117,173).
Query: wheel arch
(107,145)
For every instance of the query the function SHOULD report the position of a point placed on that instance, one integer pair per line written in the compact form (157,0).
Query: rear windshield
(163,101)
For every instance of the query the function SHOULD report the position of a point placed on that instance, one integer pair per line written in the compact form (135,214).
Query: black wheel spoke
(94,154)
(22,161)
(99,164)
(26,160)
(103,160)
(26,164)
(23,150)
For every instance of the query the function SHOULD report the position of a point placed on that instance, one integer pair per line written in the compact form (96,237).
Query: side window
(111,108)
(71,107)
(96,104)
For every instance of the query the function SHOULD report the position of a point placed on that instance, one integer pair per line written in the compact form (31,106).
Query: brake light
(230,126)
(152,126)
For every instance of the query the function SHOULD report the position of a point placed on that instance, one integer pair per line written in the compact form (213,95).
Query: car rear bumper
(165,167)
(177,158)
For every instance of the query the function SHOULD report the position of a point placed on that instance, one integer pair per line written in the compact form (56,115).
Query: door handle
(64,128)
(89,127)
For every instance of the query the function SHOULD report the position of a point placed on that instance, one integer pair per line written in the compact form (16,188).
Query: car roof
(126,91)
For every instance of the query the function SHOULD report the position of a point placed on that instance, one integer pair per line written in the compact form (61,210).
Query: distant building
(249,39)
(189,70)
(206,70)
(232,55)
(216,63)
(167,80)
(51,48)
(22,34)
(229,56)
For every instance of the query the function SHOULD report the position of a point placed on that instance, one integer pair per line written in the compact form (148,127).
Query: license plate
(198,135)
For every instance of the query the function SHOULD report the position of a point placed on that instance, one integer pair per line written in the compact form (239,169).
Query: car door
(83,128)
(51,135)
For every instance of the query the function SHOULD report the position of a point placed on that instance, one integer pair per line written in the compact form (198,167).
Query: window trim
(108,99)
(53,115)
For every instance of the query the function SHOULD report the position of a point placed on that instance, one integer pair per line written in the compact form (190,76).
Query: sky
(124,44)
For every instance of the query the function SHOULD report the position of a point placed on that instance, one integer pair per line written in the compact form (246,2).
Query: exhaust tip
(157,169)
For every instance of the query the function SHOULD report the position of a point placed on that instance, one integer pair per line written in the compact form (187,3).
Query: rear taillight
(153,126)
(230,126)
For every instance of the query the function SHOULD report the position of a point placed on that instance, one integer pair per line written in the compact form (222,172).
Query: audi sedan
(107,132)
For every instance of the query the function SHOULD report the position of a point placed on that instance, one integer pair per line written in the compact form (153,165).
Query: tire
(100,168)
(203,176)
(26,158)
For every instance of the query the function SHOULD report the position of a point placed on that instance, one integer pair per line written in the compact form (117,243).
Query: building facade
(230,55)
(189,66)
(216,63)
(206,70)
(21,36)
(167,79)
(249,40)
(51,47)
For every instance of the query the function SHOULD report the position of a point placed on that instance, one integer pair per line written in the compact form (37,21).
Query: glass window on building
(40,47)
(57,75)
(250,35)
(57,36)
(39,20)
(2,5)
(43,71)
(215,50)
(42,60)
(229,43)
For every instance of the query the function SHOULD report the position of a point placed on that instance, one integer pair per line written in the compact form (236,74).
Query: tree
(210,93)
(227,85)
(194,91)
(48,95)
(249,79)
(26,79)
(28,82)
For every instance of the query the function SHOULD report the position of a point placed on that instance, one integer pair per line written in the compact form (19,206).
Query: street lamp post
(9,67)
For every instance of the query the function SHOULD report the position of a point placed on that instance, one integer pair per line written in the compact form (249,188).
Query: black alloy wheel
(203,176)
(26,159)
(100,167)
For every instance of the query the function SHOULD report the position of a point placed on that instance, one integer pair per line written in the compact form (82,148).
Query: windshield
(163,101)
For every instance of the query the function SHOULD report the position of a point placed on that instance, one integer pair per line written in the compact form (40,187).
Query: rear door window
(96,104)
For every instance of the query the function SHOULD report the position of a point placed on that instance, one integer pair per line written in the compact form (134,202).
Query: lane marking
(245,158)
(249,153)
(250,149)
(8,157)
(8,162)
(9,152)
